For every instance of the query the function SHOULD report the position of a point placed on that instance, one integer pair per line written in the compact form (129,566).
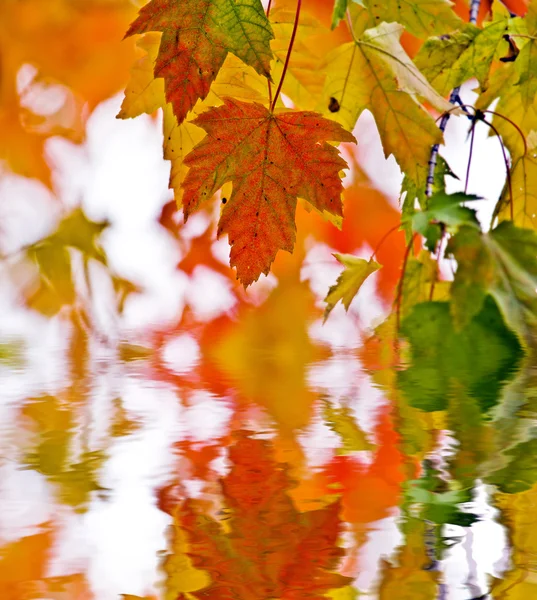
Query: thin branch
(497,114)
(383,239)
(453,97)
(401,283)
(288,57)
(507,169)
(472,139)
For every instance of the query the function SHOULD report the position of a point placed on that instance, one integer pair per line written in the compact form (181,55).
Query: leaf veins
(271,159)
(197,36)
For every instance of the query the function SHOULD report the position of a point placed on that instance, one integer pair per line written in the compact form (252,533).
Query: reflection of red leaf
(22,562)
(368,492)
(271,550)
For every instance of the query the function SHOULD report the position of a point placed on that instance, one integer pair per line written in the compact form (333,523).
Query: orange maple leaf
(271,159)
(197,36)
(271,550)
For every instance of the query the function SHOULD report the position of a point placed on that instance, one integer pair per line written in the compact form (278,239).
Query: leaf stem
(288,57)
(401,283)
(507,169)
(474,9)
(472,139)
(497,114)
(268,80)
(383,239)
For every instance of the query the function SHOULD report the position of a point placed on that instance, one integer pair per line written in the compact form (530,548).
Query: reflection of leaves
(481,357)
(272,550)
(348,284)
(266,353)
(54,429)
(519,517)
(520,474)
(342,421)
(410,578)
(439,506)
(502,263)
(23,561)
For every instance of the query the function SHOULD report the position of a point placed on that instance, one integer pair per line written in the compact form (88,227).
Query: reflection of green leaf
(502,263)
(440,505)
(481,357)
(521,472)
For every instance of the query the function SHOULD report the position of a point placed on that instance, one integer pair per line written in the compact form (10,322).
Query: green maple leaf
(480,358)
(420,17)
(450,60)
(444,213)
(348,284)
(502,263)
(197,36)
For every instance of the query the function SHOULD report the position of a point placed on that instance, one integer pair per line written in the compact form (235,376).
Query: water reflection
(231,446)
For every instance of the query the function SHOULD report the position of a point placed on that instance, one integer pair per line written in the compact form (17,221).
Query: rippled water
(195,456)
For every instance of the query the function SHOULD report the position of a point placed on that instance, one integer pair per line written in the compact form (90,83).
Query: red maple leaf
(271,159)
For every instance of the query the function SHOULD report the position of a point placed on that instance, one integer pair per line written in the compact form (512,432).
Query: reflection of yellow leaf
(266,354)
(342,422)
(344,593)
(181,576)
(22,561)
(519,516)
(410,580)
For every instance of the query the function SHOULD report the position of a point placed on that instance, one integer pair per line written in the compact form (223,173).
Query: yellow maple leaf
(356,271)
(145,94)
(375,73)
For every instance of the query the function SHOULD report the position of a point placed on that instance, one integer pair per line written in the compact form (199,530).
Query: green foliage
(481,357)
(520,474)
(502,263)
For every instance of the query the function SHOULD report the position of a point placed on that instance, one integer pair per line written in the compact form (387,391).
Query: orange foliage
(251,147)
(271,550)
(72,44)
